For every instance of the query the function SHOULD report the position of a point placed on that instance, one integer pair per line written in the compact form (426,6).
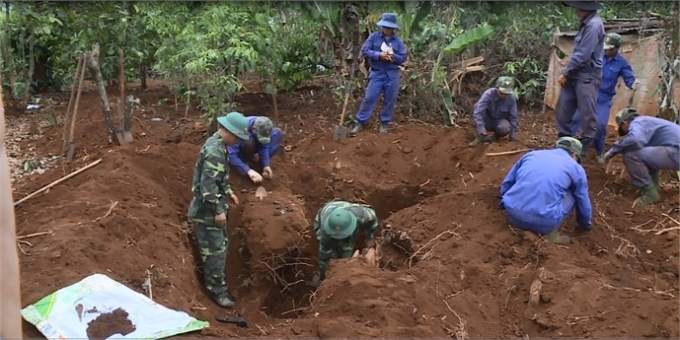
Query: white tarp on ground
(64,313)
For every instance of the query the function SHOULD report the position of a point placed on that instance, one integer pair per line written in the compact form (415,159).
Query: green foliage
(470,36)
(530,78)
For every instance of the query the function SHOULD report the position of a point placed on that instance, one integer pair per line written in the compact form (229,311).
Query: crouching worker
(650,144)
(496,111)
(210,203)
(544,186)
(336,229)
(264,142)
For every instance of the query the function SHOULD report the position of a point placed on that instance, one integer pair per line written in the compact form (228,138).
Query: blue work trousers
(250,147)
(604,105)
(537,224)
(578,94)
(648,160)
(380,82)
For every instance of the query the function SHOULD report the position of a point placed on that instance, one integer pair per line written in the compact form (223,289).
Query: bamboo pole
(507,152)
(10,289)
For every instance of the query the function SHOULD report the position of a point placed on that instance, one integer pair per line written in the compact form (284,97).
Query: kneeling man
(264,142)
(543,188)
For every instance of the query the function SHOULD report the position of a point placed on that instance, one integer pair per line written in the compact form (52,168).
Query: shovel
(74,117)
(340,131)
(261,192)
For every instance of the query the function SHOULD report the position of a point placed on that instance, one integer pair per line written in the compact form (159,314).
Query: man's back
(540,181)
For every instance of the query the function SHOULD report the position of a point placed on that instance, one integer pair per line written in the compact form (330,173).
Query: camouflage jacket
(210,183)
(330,248)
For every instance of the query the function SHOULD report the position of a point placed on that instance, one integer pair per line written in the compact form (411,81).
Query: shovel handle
(630,100)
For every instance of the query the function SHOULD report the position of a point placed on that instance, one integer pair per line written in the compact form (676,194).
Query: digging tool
(340,131)
(236,319)
(74,116)
(123,133)
(127,122)
(261,192)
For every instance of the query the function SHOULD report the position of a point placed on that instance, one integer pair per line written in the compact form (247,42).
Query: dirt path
(464,272)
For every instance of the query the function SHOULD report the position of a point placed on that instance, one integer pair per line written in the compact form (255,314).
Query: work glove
(254,176)
(267,172)
(608,155)
(636,85)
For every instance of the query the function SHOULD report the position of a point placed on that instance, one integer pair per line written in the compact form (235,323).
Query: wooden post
(93,65)
(10,289)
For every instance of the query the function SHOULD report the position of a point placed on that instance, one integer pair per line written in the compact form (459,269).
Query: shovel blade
(339,132)
(119,136)
(128,137)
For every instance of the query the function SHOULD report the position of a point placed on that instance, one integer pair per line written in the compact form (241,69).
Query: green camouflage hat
(236,123)
(340,224)
(612,40)
(625,114)
(570,144)
(263,129)
(505,84)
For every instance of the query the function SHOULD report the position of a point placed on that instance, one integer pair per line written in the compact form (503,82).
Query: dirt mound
(449,264)
(108,324)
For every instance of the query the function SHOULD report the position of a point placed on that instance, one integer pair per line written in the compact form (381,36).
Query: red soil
(464,272)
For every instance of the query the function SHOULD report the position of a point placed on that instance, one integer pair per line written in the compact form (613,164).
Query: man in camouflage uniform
(336,229)
(210,203)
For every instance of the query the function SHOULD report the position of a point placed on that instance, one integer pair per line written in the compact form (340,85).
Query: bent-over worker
(614,66)
(496,110)
(650,144)
(544,186)
(210,203)
(335,226)
(582,75)
(385,52)
(264,142)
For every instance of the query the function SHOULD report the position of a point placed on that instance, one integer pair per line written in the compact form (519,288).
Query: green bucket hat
(612,40)
(263,129)
(625,115)
(570,144)
(505,84)
(236,123)
(340,224)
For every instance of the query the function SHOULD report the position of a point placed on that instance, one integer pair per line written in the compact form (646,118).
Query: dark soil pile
(108,324)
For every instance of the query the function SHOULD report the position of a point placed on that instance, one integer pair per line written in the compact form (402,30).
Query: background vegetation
(202,49)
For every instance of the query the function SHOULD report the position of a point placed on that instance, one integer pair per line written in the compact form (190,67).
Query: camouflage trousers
(328,253)
(213,243)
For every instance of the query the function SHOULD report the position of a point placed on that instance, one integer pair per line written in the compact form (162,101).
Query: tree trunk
(93,65)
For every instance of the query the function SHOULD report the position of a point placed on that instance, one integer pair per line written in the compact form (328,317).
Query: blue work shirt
(372,48)
(490,109)
(235,149)
(536,185)
(586,60)
(612,69)
(646,131)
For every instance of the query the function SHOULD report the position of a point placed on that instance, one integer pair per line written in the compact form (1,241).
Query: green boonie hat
(340,224)
(612,40)
(625,115)
(505,84)
(570,144)
(236,123)
(263,129)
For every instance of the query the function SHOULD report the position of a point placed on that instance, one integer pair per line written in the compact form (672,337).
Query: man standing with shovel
(385,51)
(210,203)
(581,77)
(614,66)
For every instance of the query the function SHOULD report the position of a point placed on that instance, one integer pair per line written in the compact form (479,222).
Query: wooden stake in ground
(93,66)
(10,291)
(69,109)
(45,188)
(74,118)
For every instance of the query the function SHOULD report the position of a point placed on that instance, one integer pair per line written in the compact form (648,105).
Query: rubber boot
(556,237)
(600,159)
(655,179)
(383,128)
(357,127)
(650,195)
(223,300)
(478,140)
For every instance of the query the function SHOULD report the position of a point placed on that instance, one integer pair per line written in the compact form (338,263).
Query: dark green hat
(625,115)
(340,224)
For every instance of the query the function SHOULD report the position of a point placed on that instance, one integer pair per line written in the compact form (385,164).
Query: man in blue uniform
(385,52)
(650,144)
(581,78)
(496,110)
(543,188)
(614,66)
(264,142)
